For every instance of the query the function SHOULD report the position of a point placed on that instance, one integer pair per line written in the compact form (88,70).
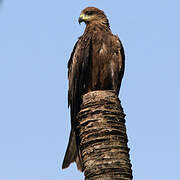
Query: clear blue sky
(36,39)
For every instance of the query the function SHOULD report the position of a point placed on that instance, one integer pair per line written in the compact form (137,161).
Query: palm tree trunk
(103,138)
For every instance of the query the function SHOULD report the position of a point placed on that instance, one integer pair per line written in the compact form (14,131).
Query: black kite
(96,63)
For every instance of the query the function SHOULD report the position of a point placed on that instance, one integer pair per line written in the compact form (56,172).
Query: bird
(97,62)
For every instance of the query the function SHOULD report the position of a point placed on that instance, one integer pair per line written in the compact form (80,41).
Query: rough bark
(103,138)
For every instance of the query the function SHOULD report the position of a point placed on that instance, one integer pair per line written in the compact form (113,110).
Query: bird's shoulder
(79,54)
(118,46)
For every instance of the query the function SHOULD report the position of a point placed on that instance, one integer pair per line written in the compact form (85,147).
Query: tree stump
(103,138)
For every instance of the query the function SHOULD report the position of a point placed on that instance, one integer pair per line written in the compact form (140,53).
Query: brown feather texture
(96,63)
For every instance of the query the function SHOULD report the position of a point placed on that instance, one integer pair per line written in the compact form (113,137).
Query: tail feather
(72,154)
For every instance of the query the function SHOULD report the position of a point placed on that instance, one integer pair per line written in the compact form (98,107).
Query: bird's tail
(72,153)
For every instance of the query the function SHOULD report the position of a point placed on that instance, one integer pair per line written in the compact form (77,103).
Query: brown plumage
(96,63)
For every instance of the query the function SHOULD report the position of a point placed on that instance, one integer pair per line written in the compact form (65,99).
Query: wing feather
(79,66)
(119,61)
(122,63)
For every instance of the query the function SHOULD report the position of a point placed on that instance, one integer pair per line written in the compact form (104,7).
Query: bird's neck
(97,26)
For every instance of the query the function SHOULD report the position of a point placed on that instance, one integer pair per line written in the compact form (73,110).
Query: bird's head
(93,14)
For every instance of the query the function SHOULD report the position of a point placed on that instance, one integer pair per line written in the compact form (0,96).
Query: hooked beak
(83,18)
(80,20)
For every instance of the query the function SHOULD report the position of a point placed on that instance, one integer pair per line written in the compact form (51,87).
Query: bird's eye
(89,13)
